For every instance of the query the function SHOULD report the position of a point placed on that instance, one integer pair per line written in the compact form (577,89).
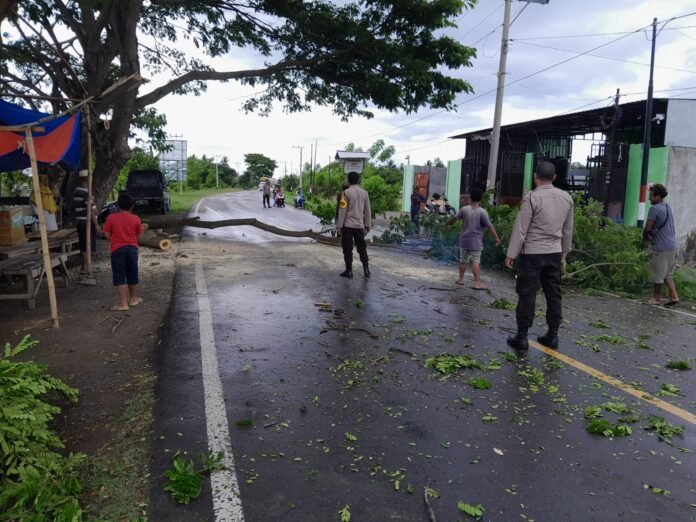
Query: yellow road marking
(666,406)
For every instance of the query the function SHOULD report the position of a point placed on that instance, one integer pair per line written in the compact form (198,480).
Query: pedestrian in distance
(475,222)
(80,210)
(353,223)
(660,232)
(542,237)
(416,200)
(267,194)
(122,229)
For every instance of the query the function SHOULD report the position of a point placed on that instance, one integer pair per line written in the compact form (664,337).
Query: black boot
(550,340)
(519,341)
(366,270)
(348,272)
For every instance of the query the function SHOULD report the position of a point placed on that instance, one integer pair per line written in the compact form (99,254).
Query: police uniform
(354,216)
(542,233)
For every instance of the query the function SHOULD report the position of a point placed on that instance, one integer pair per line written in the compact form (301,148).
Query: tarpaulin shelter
(58,142)
(28,138)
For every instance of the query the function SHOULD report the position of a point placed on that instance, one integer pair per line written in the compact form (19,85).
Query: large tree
(350,55)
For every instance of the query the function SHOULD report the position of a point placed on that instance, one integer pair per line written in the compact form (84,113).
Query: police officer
(542,237)
(353,222)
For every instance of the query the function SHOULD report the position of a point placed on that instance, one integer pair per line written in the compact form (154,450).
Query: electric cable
(482,21)
(592,35)
(604,57)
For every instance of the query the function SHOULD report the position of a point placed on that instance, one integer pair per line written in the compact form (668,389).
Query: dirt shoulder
(108,356)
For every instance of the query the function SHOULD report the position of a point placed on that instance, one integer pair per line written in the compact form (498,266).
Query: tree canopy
(257,167)
(351,56)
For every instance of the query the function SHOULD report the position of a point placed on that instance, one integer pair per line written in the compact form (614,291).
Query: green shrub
(324,209)
(36,482)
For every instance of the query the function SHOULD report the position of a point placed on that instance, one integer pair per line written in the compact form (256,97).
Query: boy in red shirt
(123,229)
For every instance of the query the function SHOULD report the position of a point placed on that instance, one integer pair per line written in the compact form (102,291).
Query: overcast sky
(214,124)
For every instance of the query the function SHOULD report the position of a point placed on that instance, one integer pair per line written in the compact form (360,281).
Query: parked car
(148,188)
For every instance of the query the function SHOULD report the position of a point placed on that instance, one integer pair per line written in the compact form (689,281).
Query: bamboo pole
(88,230)
(48,269)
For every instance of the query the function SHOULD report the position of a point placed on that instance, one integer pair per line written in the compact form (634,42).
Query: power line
(541,71)
(604,57)
(481,22)
(591,35)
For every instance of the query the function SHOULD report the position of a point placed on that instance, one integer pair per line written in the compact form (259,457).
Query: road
(319,390)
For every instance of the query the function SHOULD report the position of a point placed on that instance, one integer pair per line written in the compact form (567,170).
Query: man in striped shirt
(80,196)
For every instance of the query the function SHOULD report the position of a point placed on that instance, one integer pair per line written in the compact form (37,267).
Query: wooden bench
(31,268)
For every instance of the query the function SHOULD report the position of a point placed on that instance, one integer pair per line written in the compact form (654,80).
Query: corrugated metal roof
(585,122)
(345,154)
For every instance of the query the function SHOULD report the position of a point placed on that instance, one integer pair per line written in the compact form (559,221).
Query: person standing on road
(542,236)
(267,194)
(353,223)
(659,230)
(475,222)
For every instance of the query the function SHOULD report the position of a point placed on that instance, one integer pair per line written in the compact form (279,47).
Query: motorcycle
(430,208)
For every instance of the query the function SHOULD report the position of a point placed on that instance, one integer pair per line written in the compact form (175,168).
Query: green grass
(183,201)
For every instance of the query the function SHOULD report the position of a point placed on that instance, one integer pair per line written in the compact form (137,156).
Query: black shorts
(124,266)
(82,236)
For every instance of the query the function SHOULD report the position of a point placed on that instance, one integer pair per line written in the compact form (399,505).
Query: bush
(324,209)
(36,482)
(604,256)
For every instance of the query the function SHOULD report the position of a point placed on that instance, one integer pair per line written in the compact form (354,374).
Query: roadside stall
(29,139)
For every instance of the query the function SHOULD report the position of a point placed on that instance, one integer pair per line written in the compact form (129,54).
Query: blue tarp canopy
(58,143)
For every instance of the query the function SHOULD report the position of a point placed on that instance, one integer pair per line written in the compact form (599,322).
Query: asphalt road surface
(323,393)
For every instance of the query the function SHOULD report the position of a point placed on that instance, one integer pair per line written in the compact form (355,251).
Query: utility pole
(408,159)
(647,131)
(495,136)
(217,175)
(609,180)
(299,147)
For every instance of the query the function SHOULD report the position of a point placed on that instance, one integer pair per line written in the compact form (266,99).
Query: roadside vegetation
(184,201)
(605,256)
(37,482)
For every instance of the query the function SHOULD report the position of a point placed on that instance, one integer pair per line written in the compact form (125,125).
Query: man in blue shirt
(475,222)
(659,229)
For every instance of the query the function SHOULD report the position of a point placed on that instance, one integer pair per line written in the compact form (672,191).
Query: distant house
(613,167)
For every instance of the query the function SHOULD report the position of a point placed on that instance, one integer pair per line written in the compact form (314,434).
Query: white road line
(227,503)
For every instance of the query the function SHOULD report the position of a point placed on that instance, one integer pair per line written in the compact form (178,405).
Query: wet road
(250,204)
(329,401)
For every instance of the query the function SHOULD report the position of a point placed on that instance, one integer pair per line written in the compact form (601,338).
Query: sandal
(117,308)
(137,302)
(652,301)
(672,303)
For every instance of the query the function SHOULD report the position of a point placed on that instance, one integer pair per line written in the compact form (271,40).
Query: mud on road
(334,398)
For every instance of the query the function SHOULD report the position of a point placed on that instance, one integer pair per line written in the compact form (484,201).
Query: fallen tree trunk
(252,222)
(150,239)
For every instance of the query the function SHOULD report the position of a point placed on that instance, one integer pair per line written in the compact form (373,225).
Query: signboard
(353,165)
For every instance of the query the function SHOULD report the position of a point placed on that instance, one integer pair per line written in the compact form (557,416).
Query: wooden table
(61,241)
(31,268)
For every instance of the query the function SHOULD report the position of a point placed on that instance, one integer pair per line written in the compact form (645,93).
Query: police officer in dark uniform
(542,237)
(353,223)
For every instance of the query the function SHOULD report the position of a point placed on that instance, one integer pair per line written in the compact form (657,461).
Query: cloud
(213,123)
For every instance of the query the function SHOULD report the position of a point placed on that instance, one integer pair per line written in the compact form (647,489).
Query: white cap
(83,173)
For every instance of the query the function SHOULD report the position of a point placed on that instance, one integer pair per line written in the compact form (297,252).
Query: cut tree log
(149,238)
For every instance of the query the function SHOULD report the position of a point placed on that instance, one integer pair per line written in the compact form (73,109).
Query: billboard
(173,161)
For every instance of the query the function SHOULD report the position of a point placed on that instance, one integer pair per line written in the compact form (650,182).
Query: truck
(148,188)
